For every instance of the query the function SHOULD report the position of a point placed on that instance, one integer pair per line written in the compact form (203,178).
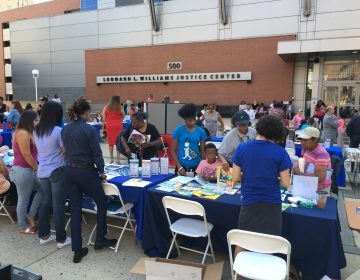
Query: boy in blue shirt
(188,142)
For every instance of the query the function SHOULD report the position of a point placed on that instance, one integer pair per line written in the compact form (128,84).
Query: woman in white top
(212,119)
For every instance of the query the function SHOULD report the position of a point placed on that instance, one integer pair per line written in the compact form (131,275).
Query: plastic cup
(321,199)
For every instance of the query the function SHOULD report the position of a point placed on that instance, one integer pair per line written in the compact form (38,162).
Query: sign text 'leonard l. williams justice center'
(184,77)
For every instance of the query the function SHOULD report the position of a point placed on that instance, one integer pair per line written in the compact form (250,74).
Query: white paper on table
(135,182)
(305,186)
(182,179)
(166,188)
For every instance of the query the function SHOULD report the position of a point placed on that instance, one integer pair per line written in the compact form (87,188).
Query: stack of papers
(113,170)
(135,182)
(197,186)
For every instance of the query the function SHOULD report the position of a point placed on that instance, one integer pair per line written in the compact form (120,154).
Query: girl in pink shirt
(207,167)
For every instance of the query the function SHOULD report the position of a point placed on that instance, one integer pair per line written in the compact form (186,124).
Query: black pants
(262,217)
(85,181)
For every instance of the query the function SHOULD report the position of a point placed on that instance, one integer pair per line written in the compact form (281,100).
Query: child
(207,167)
(188,142)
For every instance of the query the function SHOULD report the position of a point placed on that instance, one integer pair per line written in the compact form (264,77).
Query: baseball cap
(44,99)
(309,132)
(241,118)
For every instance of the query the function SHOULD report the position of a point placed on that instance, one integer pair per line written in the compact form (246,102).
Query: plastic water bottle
(4,126)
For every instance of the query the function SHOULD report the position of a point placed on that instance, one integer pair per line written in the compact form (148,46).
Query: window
(341,71)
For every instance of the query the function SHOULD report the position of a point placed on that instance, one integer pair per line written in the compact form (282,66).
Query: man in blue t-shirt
(188,141)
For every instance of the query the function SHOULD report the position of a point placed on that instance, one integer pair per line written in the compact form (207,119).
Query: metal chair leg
(91,234)
(171,246)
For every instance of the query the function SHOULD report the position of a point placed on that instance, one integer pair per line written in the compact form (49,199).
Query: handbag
(4,184)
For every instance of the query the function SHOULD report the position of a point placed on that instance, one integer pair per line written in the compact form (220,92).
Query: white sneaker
(51,238)
(67,242)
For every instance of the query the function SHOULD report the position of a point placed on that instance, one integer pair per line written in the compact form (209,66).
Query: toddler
(207,167)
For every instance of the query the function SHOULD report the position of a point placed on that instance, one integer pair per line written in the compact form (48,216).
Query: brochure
(135,182)
(182,179)
(206,194)
(224,177)
(137,138)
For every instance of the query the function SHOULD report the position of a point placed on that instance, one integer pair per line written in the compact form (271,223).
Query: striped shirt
(318,157)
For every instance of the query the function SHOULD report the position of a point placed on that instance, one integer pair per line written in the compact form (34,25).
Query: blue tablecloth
(7,138)
(137,196)
(336,151)
(97,126)
(126,124)
(313,233)
(216,139)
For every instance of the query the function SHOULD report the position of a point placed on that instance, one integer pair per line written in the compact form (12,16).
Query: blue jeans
(26,182)
(53,193)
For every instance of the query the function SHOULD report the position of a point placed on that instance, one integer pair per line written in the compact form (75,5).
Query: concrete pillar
(316,90)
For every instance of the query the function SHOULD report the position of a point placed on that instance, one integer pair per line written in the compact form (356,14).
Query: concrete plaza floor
(24,251)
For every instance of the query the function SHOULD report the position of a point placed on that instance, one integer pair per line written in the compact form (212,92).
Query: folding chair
(122,211)
(3,210)
(258,263)
(186,226)
(68,213)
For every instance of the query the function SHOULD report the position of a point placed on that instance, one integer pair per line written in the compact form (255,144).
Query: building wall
(13,4)
(51,8)
(272,77)
(61,41)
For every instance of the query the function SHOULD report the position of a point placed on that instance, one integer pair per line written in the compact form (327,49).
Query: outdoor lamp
(35,74)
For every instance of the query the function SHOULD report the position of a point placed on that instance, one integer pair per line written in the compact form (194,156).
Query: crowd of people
(57,162)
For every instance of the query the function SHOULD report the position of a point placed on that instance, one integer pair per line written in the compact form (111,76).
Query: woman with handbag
(23,172)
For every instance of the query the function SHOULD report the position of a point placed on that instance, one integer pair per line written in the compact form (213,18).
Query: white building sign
(183,77)
(174,65)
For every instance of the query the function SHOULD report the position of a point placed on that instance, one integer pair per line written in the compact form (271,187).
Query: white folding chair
(68,213)
(186,226)
(122,212)
(256,262)
(3,210)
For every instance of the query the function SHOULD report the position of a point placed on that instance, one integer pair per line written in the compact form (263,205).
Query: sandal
(29,230)
(31,221)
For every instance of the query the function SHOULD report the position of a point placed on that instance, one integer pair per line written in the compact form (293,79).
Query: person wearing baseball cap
(317,159)
(242,132)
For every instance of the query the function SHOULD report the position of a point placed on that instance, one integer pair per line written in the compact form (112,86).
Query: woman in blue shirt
(188,141)
(47,136)
(258,164)
(14,115)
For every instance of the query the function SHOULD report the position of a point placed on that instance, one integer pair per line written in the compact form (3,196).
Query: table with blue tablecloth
(137,196)
(97,126)
(313,233)
(216,138)
(126,124)
(336,151)
(6,138)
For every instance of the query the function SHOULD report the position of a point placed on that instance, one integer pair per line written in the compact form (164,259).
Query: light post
(35,74)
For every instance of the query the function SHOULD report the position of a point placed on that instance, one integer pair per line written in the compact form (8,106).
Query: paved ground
(25,251)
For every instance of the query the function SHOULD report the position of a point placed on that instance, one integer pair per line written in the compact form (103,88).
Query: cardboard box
(15,273)
(163,269)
